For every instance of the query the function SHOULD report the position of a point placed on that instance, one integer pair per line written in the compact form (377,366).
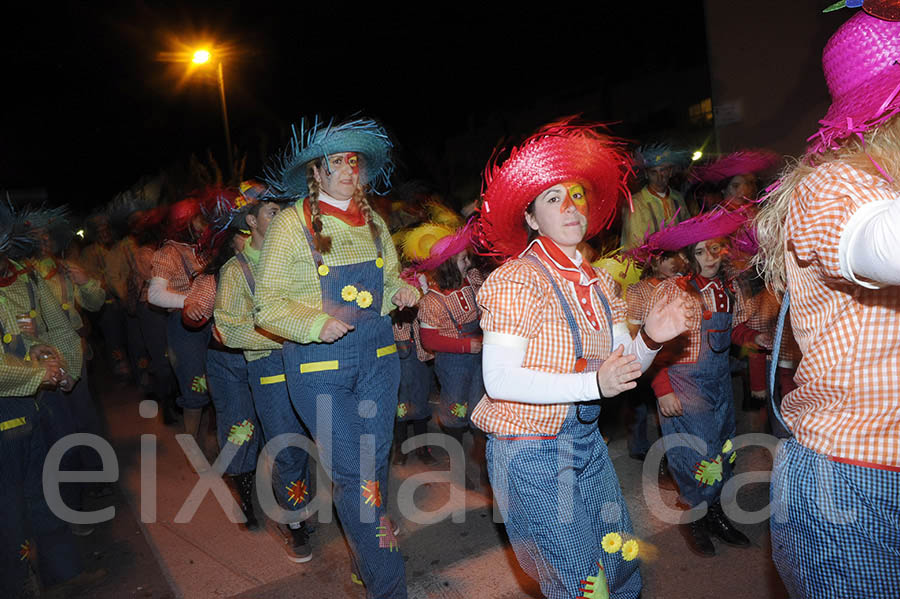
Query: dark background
(90,107)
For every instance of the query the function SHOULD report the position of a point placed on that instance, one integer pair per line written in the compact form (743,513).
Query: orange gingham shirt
(461,303)
(669,289)
(167,264)
(638,299)
(846,404)
(517,299)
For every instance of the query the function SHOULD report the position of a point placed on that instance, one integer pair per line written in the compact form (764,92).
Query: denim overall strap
(15,345)
(248,274)
(776,349)
(468,329)
(317,255)
(704,389)
(605,303)
(592,407)
(191,275)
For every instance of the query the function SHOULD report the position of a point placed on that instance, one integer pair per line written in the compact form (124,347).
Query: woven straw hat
(287,176)
(862,68)
(737,163)
(557,153)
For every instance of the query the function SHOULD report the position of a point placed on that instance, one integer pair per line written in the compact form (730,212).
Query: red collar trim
(11,278)
(352,216)
(547,248)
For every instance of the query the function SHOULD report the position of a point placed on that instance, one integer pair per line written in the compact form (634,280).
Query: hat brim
(866,107)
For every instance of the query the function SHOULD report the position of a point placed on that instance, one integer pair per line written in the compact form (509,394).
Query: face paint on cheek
(578,197)
(353,161)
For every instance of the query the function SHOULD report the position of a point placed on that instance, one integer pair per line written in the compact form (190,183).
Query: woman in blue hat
(328,279)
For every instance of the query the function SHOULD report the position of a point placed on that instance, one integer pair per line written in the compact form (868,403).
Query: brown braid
(360,196)
(322,242)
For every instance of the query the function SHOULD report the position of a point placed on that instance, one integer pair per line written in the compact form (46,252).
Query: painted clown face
(708,256)
(561,213)
(340,176)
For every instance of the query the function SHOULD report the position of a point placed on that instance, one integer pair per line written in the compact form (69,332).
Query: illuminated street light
(697,155)
(200,56)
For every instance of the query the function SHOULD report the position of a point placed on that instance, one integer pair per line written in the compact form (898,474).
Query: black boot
(664,478)
(420,427)
(244,485)
(718,524)
(400,432)
(697,537)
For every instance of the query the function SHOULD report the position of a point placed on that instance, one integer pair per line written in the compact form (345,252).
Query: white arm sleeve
(158,294)
(643,354)
(870,245)
(504,377)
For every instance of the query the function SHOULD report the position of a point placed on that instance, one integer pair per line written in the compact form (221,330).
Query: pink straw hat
(862,68)
(744,162)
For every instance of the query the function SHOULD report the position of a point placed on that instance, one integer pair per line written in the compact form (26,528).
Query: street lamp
(202,56)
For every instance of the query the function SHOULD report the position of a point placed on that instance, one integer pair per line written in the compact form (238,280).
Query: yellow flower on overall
(630,550)
(349,293)
(364,299)
(612,542)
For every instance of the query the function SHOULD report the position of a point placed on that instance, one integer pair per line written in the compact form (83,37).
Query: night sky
(90,107)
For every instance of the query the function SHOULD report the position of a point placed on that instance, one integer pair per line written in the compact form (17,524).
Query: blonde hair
(321,241)
(879,146)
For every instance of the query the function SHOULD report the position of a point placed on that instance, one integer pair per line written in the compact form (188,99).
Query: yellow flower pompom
(65,306)
(323,270)
(364,299)
(379,262)
(33,314)
(612,542)
(727,447)
(630,550)
(348,293)
(7,338)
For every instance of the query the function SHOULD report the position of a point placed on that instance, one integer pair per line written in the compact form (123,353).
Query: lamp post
(202,57)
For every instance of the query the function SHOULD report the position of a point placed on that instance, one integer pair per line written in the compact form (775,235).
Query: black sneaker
(299,550)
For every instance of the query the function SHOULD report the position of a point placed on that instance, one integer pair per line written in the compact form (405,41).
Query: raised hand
(668,320)
(405,298)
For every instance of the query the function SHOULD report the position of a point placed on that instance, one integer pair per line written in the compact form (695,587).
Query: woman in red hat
(555,344)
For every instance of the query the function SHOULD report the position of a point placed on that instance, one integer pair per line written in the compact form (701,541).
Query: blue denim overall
(559,494)
(416,382)
(26,520)
(354,383)
(290,472)
(462,385)
(187,354)
(276,416)
(704,390)
(236,422)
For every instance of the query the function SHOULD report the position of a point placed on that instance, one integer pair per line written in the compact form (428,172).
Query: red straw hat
(558,152)
(863,74)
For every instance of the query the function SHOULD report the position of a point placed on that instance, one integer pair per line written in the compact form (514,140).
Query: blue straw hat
(287,176)
(654,155)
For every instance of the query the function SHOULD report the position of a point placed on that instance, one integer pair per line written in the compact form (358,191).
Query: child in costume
(177,273)
(265,412)
(829,235)
(638,302)
(328,279)
(416,364)
(449,317)
(555,343)
(693,389)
